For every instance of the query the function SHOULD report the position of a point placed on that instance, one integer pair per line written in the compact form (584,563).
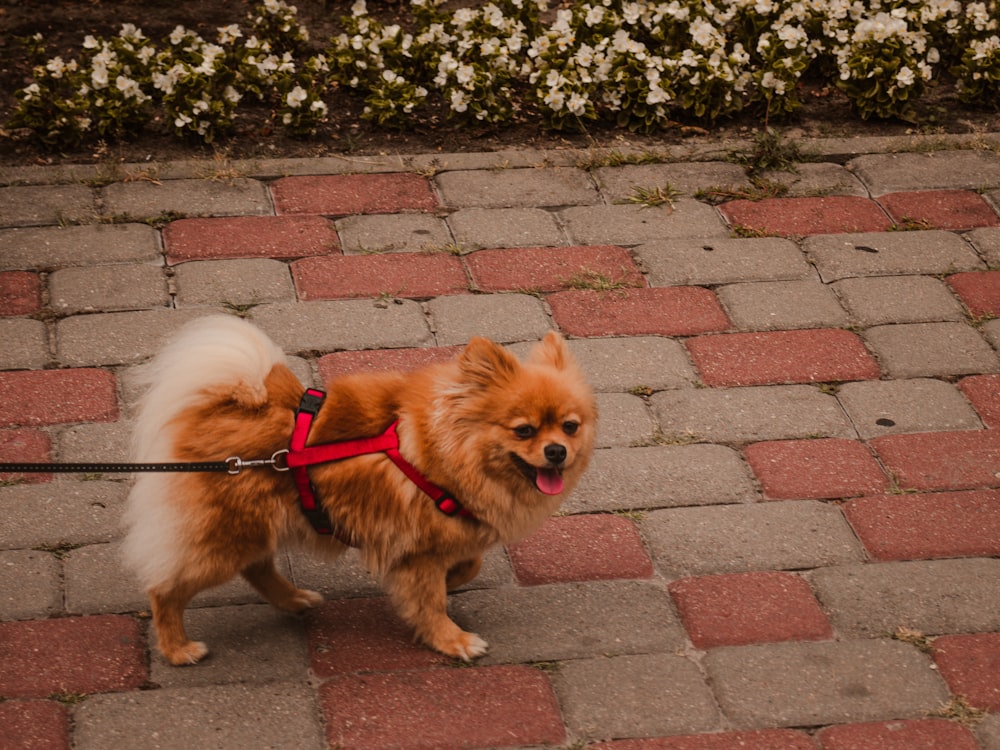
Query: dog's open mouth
(549,481)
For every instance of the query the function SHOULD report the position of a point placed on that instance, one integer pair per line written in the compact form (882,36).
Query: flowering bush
(640,64)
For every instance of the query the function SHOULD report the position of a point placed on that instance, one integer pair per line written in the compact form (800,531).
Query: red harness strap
(300,457)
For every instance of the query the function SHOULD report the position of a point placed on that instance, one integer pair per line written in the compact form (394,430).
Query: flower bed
(638,65)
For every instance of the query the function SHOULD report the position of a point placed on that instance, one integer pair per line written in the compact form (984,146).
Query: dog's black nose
(555,453)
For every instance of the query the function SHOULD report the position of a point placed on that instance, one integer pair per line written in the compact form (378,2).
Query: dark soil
(64,23)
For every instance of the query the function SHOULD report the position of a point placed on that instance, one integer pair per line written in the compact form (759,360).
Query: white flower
(577,104)
(229,33)
(555,99)
(89,42)
(232,95)
(182,120)
(296,96)
(459,103)
(905,76)
(56,67)
(131,32)
(99,76)
(177,36)
(30,92)
(129,88)
(595,14)
(465,75)
(702,32)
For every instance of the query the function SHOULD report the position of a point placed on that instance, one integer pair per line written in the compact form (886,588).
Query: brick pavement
(788,539)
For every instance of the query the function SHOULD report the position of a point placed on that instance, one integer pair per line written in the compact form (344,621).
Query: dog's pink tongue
(549,481)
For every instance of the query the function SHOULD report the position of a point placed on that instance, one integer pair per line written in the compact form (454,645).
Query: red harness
(300,457)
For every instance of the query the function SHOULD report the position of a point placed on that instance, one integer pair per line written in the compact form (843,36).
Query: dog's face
(533,423)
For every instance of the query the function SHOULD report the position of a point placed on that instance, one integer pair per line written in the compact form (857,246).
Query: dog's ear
(552,350)
(484,362)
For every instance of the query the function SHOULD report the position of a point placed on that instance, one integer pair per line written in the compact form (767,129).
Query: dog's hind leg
(277,589)
(168,602)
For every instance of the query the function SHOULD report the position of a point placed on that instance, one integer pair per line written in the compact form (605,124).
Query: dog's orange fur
(457,425)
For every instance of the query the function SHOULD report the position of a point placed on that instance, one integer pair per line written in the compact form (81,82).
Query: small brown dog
(508,440)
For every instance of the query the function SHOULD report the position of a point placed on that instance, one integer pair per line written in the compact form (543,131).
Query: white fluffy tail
(210,352)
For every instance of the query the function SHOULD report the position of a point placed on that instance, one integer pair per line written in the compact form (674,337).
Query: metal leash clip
(237,464)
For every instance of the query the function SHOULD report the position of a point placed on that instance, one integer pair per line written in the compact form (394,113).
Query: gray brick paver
(108,288)
(392,233)
(620,184)
(480,228)
(809,684)
(249,281)
(30,585)
(34,205)
(25,344)
(662,477)
(570,621)
(934,597)
(722,261)
(750,414)
(279,714)
(783,535)
(77,245)
(883,407)
(946,169)
(634,225)
(51,514)
(635,696)
(509,188)
(144,200)
(917,350)
(841,256)
(504,318)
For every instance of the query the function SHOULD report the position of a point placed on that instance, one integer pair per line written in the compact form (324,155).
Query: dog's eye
(524,431)
(570,427)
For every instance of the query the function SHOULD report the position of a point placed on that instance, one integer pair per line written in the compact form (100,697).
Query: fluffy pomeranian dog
(507,439)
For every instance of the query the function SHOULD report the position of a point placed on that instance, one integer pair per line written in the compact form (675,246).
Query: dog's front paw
(464,646)
(305,599)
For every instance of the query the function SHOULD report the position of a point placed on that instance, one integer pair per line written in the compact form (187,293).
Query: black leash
(232,465)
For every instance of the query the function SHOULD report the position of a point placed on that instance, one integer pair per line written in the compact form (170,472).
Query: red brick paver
(549,269)
(739,609)
(398,275)
(249,237)
(581,548)
(832,214)
(984,393)
(34,725)
(442,709)
(942,460)
(665,311)
(25,446)
(773,357)
(380,360)
(20,293)
(340,195)
(43,397)
(979,290)
(825,468)
(99,654)
(919,527)
(970,664)
(918,734)
(363,635)
(939,209)
(764,739)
